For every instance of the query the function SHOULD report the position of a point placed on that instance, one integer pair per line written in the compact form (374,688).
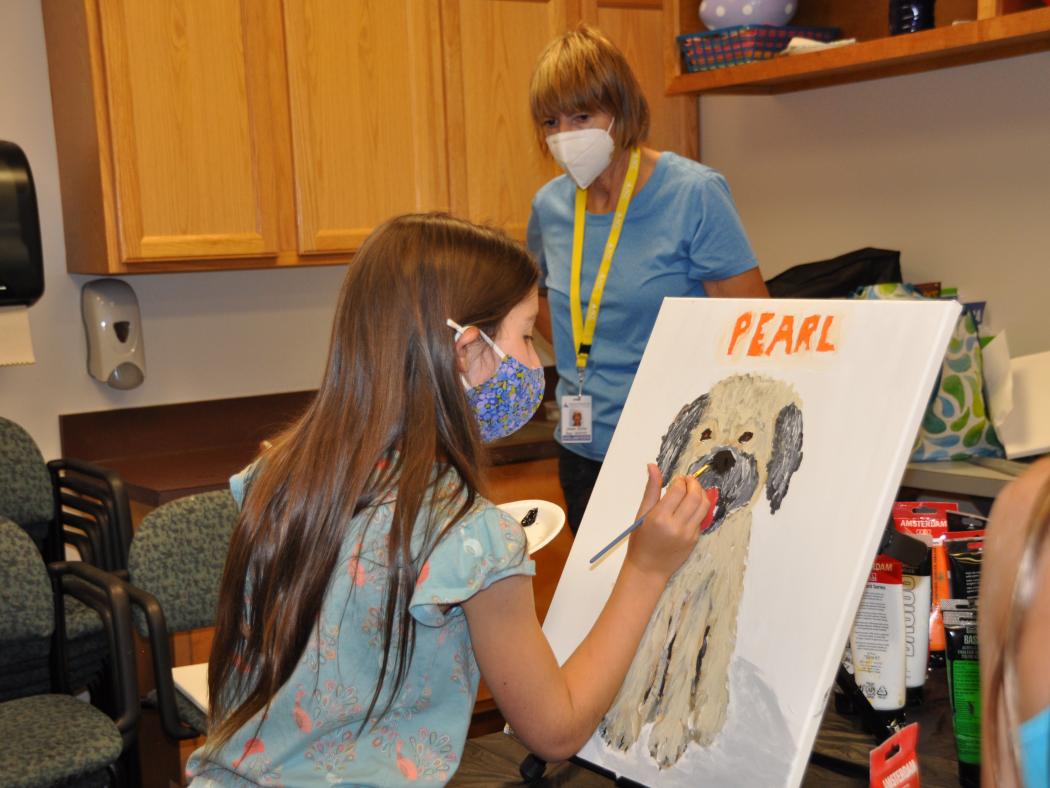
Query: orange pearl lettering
(755,348)
(794,334)
(743,323)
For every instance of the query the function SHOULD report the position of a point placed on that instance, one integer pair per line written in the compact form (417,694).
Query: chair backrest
(178,554)
(93,512)
(25,485)
(27,610)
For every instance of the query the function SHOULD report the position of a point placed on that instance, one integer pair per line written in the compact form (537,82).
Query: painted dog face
(747,430)
(742,436)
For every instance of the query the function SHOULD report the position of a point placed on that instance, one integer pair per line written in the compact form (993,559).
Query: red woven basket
(731,46)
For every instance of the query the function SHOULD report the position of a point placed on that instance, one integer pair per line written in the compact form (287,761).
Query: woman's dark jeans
(577,476)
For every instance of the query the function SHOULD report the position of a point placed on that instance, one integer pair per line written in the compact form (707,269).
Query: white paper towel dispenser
(114,333)
(21,259)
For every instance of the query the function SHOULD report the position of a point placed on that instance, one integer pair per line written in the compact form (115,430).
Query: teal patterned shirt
(310,735)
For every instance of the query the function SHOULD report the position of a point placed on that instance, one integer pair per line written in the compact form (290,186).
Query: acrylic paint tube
(928,520)
(964,691)
(877,639)
(916,585)
(965,549)
(964,567)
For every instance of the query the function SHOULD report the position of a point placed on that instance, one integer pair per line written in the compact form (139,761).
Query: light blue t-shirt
(310,735)
(681,230)
(1035,752)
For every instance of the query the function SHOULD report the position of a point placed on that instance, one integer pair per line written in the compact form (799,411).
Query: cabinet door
(193,150)
(491,46)
(637,29)
(367,115)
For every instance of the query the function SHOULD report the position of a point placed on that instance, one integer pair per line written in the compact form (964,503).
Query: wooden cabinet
(490,51)
(192,144)
(989,29)
(249,133)
(367,116)
(171,128)
(200,135)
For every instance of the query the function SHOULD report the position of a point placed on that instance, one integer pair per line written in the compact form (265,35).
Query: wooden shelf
(967,42)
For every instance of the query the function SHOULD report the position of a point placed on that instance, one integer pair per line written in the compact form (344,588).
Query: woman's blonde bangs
(560,86)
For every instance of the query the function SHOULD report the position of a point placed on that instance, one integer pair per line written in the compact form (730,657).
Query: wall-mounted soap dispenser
(114,333)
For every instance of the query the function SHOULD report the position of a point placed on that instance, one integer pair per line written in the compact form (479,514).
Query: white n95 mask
(583,154)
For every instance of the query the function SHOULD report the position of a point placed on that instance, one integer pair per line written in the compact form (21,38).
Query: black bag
(839,276)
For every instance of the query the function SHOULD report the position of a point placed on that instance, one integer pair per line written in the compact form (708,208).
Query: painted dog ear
(673,442)
(785,456)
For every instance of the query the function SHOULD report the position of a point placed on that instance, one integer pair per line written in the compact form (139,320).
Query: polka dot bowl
(717,14)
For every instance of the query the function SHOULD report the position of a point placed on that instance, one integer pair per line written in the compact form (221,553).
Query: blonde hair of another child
(1003,684)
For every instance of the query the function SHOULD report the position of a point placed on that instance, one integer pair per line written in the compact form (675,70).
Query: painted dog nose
(723,461)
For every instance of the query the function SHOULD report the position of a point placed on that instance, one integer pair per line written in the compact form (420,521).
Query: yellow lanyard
(583,333)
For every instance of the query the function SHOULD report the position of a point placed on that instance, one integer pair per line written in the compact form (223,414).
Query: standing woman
(625,227)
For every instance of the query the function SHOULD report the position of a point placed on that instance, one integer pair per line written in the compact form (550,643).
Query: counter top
(165,452)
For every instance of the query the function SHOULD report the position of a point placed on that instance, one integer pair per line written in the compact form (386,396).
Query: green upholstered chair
(63,501)
(25,486)
(51,738)
(175,565)
(55,503)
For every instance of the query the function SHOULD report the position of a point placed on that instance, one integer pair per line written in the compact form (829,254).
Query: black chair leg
(128,769)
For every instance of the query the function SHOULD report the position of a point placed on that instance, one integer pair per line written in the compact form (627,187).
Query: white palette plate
(193,681)
(549,520)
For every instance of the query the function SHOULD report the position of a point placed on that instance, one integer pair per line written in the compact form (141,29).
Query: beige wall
(951,167)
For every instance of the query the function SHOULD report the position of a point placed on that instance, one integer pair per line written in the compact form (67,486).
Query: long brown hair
(391,405)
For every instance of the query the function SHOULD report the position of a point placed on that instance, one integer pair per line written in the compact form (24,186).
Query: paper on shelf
(800,45)
(16,345)
(1026,431)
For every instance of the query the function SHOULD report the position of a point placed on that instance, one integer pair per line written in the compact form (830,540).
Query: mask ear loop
(459,332)
(491,343)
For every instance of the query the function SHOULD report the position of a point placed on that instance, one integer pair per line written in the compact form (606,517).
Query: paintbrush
(627,531)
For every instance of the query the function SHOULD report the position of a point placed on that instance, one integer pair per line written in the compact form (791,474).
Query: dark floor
(494,759)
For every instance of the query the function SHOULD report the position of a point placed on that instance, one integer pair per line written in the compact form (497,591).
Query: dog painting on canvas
(744,436)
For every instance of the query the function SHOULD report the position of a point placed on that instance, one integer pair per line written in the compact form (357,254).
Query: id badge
(576,419)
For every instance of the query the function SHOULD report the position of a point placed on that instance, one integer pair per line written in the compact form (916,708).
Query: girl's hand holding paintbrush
(670,524)
(648,502)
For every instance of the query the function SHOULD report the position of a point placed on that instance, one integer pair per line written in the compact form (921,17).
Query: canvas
(801,413)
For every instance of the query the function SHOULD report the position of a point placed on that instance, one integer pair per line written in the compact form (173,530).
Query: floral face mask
(503,403)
